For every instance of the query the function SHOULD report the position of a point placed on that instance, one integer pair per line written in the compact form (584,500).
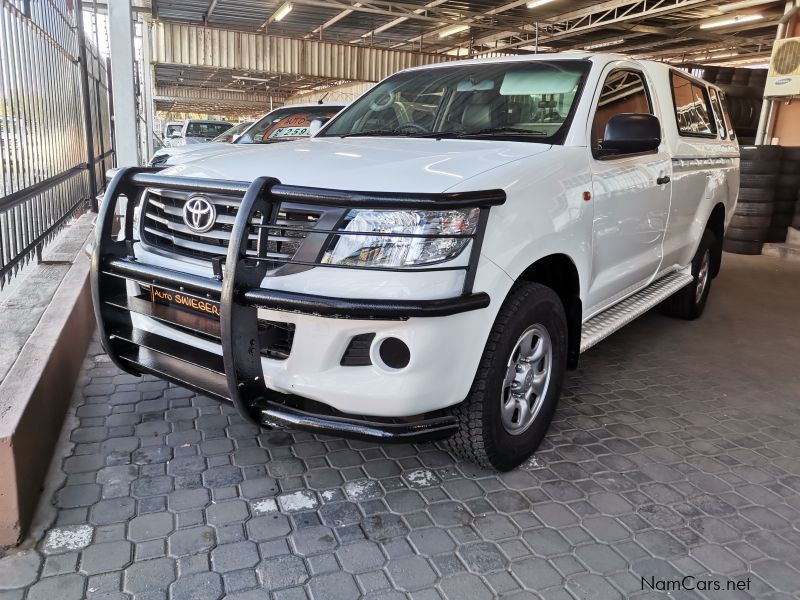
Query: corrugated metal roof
(491,23)
(663,29)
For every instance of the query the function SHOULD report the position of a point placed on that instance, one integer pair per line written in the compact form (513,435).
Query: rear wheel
(689,302)
(742,247)
(516,388)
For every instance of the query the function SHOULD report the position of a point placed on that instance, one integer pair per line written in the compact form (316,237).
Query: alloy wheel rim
(527,379)
(702,277)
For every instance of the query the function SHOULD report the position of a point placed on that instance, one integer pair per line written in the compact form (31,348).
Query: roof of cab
(595,57)
(571,55)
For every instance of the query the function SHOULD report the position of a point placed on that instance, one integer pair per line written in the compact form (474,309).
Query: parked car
(171,128)
(291,122)
(429,264)
(195,131)
(162,155)
(280,125)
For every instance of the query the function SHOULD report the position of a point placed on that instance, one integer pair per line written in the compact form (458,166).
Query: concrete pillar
(120,38)
(147,84)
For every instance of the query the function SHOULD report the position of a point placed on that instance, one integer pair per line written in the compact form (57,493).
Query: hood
(363,164)
(180,154)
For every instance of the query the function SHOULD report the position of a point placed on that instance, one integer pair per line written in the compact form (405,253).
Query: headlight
(410,245)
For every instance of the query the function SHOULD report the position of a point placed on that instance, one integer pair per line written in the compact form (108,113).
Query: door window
(623,92)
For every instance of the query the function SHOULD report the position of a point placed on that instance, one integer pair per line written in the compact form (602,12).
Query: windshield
(176,128)
(206,130)
(525,101)
(232,132)
(287,123)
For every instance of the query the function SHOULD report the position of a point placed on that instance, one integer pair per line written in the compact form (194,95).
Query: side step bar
(610,320)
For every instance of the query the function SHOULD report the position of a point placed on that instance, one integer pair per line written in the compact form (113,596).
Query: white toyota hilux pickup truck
(429,264)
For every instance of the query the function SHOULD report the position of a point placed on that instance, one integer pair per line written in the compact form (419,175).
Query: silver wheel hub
(527,379)
(702,276)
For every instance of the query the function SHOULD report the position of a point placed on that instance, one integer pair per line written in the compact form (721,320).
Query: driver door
(631,197)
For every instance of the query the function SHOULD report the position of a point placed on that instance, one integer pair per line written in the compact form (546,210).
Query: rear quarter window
(724,102)
(693,111)
(715,102)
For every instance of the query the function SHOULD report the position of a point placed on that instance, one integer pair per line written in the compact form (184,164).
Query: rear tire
(494,429)
(741,247)
(689,302)
(756,195)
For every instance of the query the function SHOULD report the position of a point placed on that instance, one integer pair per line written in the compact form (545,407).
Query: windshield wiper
(480,132)
(401,131)
(493,130)
(375,133)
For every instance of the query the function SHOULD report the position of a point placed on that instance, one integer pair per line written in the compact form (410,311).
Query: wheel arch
(716,223)
(558,272)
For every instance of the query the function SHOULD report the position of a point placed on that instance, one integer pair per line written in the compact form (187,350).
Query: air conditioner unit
(783,78)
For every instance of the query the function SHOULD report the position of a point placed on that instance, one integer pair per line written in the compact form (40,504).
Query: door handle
(663,180)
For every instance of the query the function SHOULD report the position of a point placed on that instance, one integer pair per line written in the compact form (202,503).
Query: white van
(194,131)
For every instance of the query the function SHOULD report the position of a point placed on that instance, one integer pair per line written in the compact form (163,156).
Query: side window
(724,102)
(715,103)
(623,92)
(692,107)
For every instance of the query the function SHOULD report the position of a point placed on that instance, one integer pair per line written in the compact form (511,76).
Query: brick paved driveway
(674,452)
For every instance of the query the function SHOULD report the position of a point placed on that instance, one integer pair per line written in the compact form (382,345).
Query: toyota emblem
(199,214)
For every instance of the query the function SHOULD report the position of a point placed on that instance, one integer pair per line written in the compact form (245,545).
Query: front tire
(516,388)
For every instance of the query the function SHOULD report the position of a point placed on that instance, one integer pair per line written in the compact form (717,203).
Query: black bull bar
(237,376)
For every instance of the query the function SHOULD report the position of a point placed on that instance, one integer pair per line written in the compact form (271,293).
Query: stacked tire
(794,236)
(744,90)
(750,225)
(785,195)
(796,219)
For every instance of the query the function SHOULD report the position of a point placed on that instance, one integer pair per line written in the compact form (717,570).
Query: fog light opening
(394,353)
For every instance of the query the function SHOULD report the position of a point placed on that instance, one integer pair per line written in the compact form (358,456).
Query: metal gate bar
(47,125)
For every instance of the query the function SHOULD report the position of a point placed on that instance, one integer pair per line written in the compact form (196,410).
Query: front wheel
(516,388)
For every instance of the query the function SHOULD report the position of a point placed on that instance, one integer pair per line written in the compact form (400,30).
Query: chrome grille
(163,227)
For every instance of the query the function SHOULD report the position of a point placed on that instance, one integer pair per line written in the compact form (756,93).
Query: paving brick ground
(674,452)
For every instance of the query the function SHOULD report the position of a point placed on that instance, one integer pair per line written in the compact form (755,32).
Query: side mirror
(174,135)
(317,124)
(630,133)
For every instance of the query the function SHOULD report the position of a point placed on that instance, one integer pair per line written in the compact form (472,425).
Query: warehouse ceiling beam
(211,7)
(595,17)
(395,22)
(498,10)
(206,96)
(699,34)
(685,50)
(412,12)
(334,19)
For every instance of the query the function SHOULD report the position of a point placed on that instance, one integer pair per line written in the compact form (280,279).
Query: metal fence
(54,115)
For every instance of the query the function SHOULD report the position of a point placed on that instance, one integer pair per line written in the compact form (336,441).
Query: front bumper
(225,360)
